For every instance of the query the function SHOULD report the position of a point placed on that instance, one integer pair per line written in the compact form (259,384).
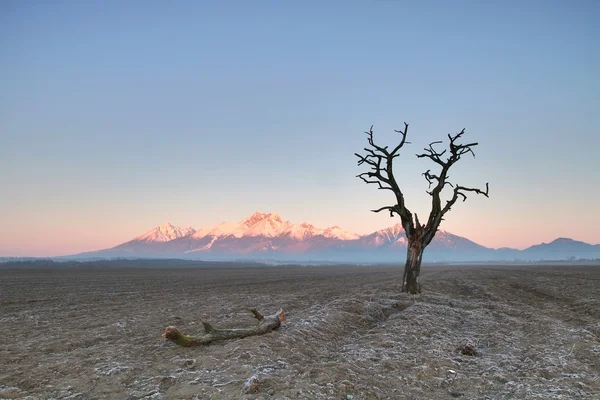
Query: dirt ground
(349,333)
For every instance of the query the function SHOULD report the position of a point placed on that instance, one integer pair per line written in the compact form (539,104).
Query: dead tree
(380,160)
(212,334)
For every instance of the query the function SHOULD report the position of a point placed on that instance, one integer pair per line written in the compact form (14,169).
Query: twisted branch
(380,160)
(439,181)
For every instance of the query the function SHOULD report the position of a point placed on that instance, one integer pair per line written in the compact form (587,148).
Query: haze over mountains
(264,236)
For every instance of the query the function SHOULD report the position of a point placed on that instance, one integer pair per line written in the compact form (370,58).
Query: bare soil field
(475,333)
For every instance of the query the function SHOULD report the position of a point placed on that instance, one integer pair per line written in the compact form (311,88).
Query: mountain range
(266,236)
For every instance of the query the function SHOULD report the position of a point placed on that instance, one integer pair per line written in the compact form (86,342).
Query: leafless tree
(380,160)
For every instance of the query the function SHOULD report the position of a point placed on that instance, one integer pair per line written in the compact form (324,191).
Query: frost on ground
(475,333)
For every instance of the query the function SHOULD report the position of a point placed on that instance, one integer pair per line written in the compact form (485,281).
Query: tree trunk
(412,268)
(266,324)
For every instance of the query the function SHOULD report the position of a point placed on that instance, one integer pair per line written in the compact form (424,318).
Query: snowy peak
(257,217)
(393,236)
(220,230)
(258,224)
(335,232)
(164,233)
(301,232)
(271,225)
(388,235)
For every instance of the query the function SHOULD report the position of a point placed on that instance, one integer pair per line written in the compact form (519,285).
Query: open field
(349,333)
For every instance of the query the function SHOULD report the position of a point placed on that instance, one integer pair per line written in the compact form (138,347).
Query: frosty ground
(349,333)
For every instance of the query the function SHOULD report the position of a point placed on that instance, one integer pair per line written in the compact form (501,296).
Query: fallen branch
(212,334)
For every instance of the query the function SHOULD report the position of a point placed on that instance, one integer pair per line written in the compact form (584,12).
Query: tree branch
(459,191)
(372,175)
(433,154)
(391,209)
(380,159)
(402,142)
(440,180)
(212,334)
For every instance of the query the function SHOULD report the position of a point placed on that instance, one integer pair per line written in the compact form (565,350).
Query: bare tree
(380,160)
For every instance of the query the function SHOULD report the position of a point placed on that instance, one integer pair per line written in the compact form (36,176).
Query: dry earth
(349,333)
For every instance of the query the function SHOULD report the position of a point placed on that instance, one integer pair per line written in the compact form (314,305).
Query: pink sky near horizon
(67,239)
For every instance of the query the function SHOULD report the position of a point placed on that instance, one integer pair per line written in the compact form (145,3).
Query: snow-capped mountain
(261,233)
(152,241)
(393,236)
(164,233)
(267,235)
(271,225)
(335,232)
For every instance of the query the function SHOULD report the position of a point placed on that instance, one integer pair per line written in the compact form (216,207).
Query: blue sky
(118,116)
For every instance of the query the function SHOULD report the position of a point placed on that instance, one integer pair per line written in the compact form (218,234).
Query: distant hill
(562,248)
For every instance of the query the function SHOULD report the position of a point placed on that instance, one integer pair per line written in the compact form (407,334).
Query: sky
(119,116)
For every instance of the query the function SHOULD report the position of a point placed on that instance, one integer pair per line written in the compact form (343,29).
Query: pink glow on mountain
(165,233)
(271,225)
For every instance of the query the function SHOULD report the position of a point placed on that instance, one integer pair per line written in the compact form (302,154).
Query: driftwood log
(211,334)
